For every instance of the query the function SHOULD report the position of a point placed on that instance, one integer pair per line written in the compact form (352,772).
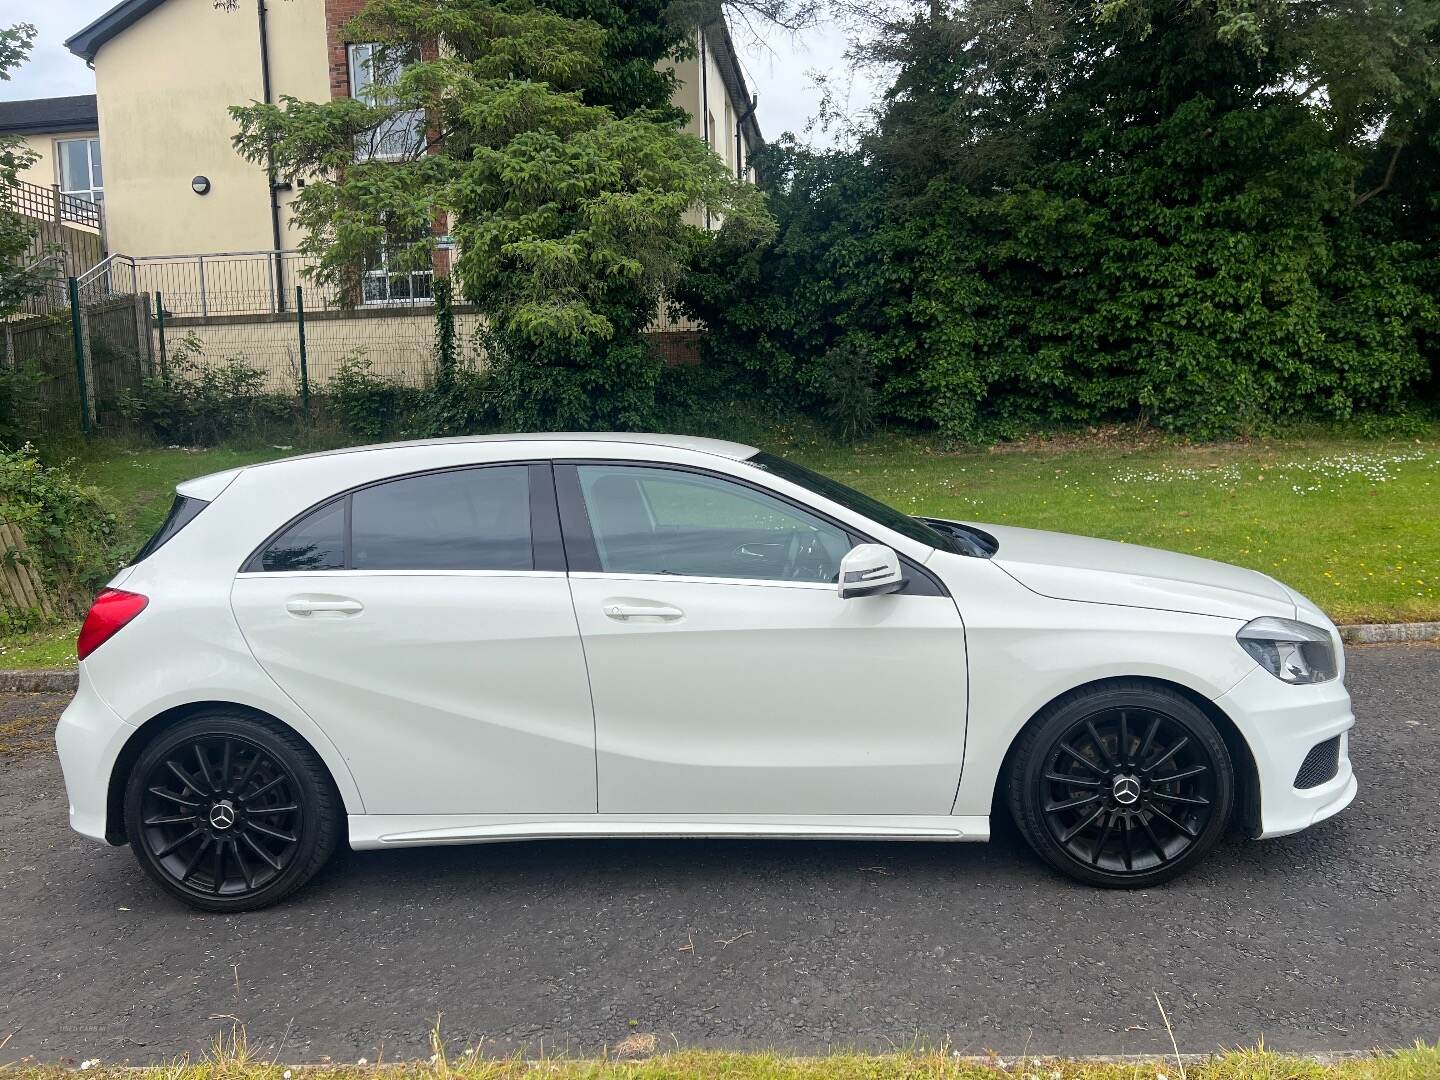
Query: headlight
(1294,652)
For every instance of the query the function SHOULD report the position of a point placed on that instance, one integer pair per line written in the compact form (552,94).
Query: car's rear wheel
(229,812)
(1124,785)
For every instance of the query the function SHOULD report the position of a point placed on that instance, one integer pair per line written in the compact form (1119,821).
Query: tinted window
(315,542)
(851,499)
(469,519)
(662,521)
(182,512)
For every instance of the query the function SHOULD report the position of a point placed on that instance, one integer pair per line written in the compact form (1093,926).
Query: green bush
(196,402)
(1164,232)
(70,534)
(21,407)
(366,405)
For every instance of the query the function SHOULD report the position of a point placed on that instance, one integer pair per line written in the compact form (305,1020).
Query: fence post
(81,340)
(10,357)
(145,346)
(304,363)
(56,199)
(160,324)
(204,301)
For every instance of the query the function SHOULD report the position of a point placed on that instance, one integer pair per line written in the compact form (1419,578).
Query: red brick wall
(678,348)
(337,14)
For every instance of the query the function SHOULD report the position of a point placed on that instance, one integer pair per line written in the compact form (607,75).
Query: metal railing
(113,275)
(263,283)
(52,204)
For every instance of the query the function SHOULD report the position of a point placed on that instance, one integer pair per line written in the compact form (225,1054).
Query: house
(205,236)
(62,190)
(64,135)
(166,71)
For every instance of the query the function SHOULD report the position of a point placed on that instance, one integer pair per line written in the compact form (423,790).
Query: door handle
(303,607)
(625,610)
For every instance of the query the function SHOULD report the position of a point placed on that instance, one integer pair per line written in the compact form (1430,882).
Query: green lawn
(1355,525)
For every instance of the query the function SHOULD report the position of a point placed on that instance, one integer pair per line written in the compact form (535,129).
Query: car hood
(1105,572)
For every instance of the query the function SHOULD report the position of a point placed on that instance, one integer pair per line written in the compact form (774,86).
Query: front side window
(857,501)
(663,521)
(374,71)
(80,174)
(462,519)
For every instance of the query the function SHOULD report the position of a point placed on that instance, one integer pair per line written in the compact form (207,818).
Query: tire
(231,812)
(1124,785)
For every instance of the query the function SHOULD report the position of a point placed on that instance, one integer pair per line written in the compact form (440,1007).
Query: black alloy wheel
(229,812)
(1125,785)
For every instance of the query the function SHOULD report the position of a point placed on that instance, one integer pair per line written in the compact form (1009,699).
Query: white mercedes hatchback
(532,636)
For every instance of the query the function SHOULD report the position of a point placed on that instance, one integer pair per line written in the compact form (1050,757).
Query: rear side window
(470,519)
(464,519)
(182,512)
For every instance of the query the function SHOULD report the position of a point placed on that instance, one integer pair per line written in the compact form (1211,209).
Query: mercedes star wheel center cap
(222,815)
(1126,790)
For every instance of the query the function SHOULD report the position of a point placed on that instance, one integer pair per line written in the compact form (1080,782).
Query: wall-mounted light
(200,185)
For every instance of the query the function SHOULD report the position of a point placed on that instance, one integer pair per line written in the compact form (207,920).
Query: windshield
(851,499)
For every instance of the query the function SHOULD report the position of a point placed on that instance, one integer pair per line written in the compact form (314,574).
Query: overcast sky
(780,72)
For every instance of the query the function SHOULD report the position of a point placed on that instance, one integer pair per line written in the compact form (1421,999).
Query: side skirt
(372,831)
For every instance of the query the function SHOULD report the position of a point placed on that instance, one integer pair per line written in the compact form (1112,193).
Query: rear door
(425,623)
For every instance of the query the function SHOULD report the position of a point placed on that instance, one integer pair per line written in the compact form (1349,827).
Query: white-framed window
(374,71)
(381,285)
(78,165)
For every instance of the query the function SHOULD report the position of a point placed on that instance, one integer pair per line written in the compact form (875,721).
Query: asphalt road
(1326,940)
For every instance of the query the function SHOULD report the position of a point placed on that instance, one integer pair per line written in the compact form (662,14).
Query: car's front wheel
(1123,785)
(230,813)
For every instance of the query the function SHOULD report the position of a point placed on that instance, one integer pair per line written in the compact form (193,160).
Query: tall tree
(553,160)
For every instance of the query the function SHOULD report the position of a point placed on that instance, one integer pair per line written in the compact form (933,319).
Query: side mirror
(869,570)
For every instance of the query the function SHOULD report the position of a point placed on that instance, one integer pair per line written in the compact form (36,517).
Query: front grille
(1320,764)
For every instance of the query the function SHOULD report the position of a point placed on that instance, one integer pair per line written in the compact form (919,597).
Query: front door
(426,625)
(727,674)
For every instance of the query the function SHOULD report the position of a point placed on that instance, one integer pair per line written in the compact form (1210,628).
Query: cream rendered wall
(711,88)
(163,87)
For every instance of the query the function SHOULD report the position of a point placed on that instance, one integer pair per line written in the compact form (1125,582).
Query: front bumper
(89,737)
(1282,723)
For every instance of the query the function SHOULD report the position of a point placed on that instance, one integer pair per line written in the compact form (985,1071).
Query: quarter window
(663,521)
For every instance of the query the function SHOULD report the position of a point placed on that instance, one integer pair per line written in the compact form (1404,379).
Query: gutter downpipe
(704,102)
(279,274)
(741,160)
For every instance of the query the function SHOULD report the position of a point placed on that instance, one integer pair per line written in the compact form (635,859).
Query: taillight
(112,609)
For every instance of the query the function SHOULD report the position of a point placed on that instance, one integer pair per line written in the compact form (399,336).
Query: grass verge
(1353,525)
(1419,1063)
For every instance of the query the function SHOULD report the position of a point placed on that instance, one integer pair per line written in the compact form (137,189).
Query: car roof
(209,486)
(719,447)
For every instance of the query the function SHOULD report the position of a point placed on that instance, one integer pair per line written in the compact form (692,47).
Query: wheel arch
(1247,775)
(161,722)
